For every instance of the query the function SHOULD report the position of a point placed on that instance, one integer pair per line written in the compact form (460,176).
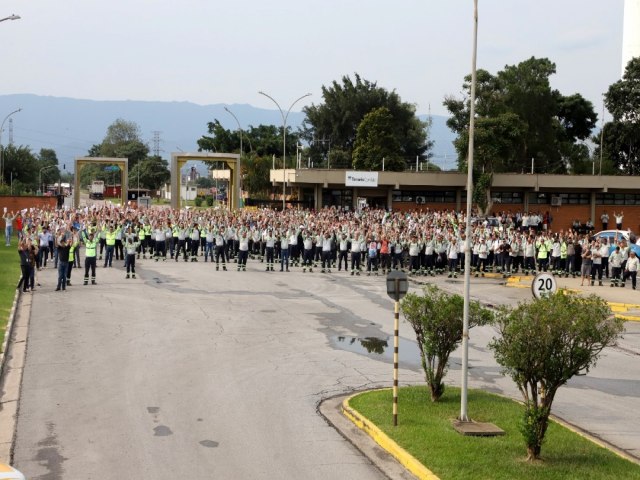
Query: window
(337,198)
(575,198)
(617,199)
(571,198)
(507,197)
(424,196)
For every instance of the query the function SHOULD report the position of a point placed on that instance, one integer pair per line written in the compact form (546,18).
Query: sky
(209,51)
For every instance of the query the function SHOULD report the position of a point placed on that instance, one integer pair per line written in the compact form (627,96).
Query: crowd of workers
(369,241)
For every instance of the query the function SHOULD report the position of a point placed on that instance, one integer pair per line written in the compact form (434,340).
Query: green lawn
(9,276)
(424,430)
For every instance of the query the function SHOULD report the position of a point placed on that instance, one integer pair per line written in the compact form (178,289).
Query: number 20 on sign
(543,284)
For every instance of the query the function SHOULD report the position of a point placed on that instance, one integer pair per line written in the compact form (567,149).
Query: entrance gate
(121,163)
(231,159)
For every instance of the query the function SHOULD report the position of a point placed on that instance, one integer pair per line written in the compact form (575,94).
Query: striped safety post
(397,287)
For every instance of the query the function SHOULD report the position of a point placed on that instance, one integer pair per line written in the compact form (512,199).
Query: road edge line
(386,443)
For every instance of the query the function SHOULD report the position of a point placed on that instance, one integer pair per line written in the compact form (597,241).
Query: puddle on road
(378,348)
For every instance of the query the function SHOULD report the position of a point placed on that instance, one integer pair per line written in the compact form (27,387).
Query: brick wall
(564,215)
(631,216)
(14,204)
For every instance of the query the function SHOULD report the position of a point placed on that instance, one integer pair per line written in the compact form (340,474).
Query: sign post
(397,287)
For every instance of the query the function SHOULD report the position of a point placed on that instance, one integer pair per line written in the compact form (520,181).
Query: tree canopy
(436,318)
(333,125)
(621,145)
(520,117)
(543,344)
(377,143)
(260,145)
(263,140)
(123,140)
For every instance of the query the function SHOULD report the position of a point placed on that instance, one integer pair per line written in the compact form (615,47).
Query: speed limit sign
(543,284)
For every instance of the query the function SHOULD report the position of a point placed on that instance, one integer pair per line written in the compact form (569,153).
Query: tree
(621,146)
(543,344)
(47,162)
(123,140)
(520,117)
(263,142)
(376,139)
(436,318)
(255,172)
(205,182)
(334,124)
(20,162)
(151,173)
(223,140)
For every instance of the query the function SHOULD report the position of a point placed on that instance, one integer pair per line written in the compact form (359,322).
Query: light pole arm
(284,140)
(284,120)
(289,111)
(12,17)
(40,175)
(239,166)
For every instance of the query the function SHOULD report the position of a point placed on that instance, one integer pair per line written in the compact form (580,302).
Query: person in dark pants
(131,248)
(63,248)
(23,252)
(90,247)
(33,263)
(631,269)
(73,255)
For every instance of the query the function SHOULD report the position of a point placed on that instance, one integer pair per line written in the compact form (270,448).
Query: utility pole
(156,143)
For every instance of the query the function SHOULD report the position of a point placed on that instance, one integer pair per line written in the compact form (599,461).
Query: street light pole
(1,147)
(12,17)
(40,176)
(284,141)
(238,169)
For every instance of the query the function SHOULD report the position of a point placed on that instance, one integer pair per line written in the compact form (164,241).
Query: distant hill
(71,126)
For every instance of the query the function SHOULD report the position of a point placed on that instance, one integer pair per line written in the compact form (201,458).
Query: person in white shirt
(326,253)
(615,261)
(8,226)
(452,256)
(243,251)
(619,217)
(632,268)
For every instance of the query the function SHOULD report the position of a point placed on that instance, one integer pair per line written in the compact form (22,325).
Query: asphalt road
(187,372)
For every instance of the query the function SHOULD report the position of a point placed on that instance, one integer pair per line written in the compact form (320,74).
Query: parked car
(614,236)
(487,221)
(9,473)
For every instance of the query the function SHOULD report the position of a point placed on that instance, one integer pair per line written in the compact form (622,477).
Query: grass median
(425,431)
(9,276)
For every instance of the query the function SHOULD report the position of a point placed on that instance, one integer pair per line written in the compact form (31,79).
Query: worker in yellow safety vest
(110,239)
(90,247)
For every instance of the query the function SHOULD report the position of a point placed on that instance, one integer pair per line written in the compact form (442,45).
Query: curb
(386,443)
(8,333)
(596,440)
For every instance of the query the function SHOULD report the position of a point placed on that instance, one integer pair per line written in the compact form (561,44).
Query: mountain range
(71,126)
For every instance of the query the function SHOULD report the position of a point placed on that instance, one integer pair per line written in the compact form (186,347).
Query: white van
(9,473)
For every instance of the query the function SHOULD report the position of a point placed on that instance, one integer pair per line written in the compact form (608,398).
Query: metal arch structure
(178,159)
(121,163)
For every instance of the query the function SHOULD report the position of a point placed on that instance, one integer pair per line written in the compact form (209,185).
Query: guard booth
(140,196)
